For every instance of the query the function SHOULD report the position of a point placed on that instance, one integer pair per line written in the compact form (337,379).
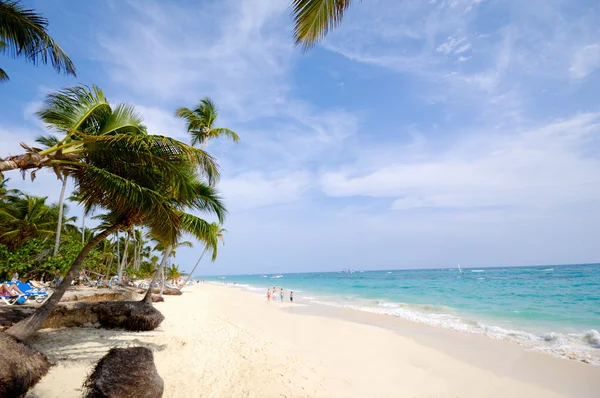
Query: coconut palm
(314,18)
(211,245)
(200,123)
(23,34)
(116,166)
(201,198)
(24,217)
(174,273)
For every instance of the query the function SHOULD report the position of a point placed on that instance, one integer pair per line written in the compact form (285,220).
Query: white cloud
(585,61)
(454,45)
(228,50)
(256,189)
(541,167)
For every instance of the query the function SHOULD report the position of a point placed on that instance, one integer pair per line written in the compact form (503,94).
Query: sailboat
(460,269)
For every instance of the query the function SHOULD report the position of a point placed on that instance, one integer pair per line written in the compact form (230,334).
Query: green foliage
(23,34)
(314,18)
(200,123)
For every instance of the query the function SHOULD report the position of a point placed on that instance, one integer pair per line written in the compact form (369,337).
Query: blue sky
(419,134)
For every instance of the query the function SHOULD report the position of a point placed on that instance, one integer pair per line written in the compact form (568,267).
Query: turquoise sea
(555,309)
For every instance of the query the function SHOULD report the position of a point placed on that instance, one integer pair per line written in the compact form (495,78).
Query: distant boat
(460,269)
(276,276)
(347,271)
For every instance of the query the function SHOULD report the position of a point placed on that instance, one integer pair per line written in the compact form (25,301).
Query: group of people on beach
(272,294)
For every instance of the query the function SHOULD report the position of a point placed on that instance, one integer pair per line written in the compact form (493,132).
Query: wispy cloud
(542,167)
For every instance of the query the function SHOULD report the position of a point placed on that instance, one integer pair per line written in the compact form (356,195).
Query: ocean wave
(548,269)
(576,346)
(592,337)
(477,270)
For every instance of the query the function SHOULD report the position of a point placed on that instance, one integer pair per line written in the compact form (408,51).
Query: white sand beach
(222,342)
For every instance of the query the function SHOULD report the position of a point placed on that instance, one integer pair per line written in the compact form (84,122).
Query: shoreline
(581,344)
(221,341)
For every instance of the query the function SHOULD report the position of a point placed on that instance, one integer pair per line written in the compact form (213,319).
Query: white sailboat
(460,269)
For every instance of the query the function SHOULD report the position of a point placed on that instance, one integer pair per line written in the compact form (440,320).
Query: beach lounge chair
(32,293)
(10,300)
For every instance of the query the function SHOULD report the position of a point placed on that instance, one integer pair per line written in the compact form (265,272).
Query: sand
(222,342)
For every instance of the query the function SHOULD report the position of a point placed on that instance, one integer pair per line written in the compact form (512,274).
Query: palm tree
(174,273)
(211,245)
(200,197)
(314,18)
(200,123)
(23,34)
(168,252)
(24,217)
(48,142)
(99,148)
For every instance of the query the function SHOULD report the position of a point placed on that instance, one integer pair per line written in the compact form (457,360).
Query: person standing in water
(291,297)
(281,295)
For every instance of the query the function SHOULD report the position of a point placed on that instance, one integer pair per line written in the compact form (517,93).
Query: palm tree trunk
(110,261)
(135,246)
(162,283)
(83,228)
(124,259)
(148,297)
(118,252)
(194,269)
(60,214)
(28,326)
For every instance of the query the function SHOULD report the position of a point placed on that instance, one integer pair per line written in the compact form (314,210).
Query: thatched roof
(21,366)
(125,373)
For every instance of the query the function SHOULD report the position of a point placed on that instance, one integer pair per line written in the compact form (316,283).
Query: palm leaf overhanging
(23,34)
(314,18)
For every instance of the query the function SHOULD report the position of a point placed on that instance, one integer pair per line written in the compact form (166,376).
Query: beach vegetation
(137,178)
(23,34)
(200,123)
(313,19)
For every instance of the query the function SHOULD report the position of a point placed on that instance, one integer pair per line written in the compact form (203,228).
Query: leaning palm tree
(211,245)
(23,34)
(200,197)
(116,166)
(200,123)
(314,18)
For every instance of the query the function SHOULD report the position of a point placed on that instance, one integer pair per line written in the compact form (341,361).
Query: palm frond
(193,121)
(78,108)
(23,33)
(124,119)
(145,151)
(125,197)
(3,76)
(226,132)
(314,18)
(195,226)
(47,141)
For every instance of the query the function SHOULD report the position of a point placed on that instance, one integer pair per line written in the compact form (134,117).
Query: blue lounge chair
(29,293)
